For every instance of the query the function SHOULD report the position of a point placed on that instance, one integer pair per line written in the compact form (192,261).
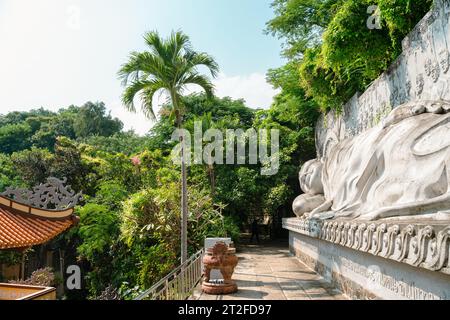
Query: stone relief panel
(420,245)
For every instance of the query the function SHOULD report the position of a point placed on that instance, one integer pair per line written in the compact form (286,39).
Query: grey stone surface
(364,276)
(397,168)
(424,244)
(271,273)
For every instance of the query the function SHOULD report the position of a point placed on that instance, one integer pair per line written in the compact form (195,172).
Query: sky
(56,53)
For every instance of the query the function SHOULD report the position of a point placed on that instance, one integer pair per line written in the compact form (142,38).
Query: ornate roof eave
(51,200)
(29,218)
(42,213)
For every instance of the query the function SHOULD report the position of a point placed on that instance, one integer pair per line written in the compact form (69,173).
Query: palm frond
(177,43)
(157,45)
(204,59)
(140,65)
(147,95)
(146,90)
(170,64)
(203,81)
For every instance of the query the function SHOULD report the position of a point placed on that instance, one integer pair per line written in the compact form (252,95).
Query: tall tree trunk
(212,179)
(184,202)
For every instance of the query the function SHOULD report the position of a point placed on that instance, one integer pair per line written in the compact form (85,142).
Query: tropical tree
(169,66)
(207,123)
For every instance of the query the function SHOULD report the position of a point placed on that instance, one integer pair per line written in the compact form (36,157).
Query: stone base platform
(393,261)
(270,272)
(219,288)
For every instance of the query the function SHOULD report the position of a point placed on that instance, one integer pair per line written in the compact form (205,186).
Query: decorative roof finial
(53,195)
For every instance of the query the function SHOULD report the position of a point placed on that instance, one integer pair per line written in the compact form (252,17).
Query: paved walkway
(270,273)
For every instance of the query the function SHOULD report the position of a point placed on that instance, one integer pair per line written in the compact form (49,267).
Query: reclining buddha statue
(399,168)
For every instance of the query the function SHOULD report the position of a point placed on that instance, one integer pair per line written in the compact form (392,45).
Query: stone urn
(223,258)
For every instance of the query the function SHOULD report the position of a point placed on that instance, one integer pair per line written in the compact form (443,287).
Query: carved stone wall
(421,72)
(365,275)
(425,246)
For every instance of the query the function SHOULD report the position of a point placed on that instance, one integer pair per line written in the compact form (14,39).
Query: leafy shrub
(10,257)
(110,293)
(42,278)
(98,228)
(156,262)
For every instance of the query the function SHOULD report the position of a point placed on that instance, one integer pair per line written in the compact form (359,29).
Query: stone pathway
(271,273)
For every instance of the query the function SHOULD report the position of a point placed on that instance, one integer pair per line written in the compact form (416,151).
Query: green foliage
(295,115)
(68,163)
(337,54)
(155,263)
(92,120)
(300,23)
(8,175)
(98,227)
(198,105)
(152,215)
(16,117)
(14,137)
(401,16)
(10,257)
(33,166)
(111,194)
(278,196)
(127,143)
(320,82)
(48,129)
(353,50)
(41,128)
(98,231)
(151,227)
(129,231)
(128,235)
(168,66)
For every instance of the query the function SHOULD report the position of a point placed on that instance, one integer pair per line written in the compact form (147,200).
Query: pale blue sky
(54,53)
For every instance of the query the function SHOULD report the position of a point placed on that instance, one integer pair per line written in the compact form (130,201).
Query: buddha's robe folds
(395,169)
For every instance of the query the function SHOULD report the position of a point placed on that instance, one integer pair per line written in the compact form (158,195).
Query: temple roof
(22,226)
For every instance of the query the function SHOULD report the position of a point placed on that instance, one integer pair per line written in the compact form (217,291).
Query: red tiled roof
(20,229)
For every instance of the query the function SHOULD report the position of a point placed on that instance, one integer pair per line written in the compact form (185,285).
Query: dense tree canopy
(92,120)
(40,128)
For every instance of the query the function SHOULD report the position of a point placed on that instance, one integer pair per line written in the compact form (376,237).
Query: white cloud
(131,121)
(253,88)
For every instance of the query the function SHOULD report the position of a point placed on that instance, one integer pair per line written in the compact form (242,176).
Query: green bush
(10,257)
(98,228)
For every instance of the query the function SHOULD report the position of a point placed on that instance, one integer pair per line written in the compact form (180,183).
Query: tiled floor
(270,273)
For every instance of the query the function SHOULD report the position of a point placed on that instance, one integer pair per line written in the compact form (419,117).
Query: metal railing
(179,284)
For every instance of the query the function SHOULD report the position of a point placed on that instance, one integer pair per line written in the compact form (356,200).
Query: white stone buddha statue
(399,168)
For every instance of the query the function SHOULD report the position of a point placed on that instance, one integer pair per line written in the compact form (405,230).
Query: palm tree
(169,66)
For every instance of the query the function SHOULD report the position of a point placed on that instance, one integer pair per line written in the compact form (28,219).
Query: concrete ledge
(25,292)
(424,244)
(362,275)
